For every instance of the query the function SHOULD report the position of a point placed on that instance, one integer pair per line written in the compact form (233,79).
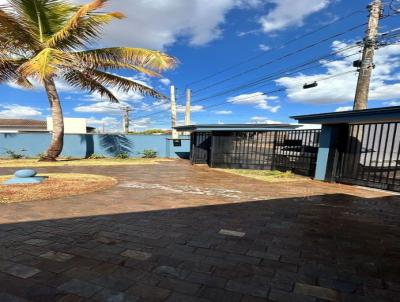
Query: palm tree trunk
(57,140)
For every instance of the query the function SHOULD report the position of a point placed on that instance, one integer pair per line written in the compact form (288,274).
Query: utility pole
(126,111)
(367,63)
(173,113)
(187,111)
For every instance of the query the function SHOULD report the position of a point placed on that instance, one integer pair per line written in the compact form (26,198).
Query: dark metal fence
(371,156)
(200,147)
(287,150)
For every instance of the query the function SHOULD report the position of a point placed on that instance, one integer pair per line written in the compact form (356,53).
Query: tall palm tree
(45,40)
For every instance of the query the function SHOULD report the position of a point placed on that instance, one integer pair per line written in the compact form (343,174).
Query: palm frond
(82,26)
(84,81)
(46,64)
(24,83)
(9,69)
(15,31)
(149,59)
(107,65)
(43,17)
(123,84)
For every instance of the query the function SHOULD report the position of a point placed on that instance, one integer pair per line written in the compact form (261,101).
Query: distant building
(71,126)
(22,125)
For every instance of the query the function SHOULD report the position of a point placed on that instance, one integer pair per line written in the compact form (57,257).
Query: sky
(244,60)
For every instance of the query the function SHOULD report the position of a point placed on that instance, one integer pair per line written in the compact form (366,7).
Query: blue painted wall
(75,145)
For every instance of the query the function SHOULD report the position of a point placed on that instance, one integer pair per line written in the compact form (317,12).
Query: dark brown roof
(34,124)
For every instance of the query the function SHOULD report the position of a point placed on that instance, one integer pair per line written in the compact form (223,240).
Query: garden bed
(57,185)
(32,163)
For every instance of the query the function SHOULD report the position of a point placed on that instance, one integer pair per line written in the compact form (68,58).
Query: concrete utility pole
(173,113)
(126,111)
(187,111)
(367,63)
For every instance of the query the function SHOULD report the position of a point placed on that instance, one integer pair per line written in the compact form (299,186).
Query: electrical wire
(269,51)
(280,58)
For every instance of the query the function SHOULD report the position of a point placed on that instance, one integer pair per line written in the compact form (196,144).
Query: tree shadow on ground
(347,246)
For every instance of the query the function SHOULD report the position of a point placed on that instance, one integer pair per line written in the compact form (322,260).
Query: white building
(71,125)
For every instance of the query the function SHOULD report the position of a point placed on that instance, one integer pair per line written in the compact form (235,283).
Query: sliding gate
(285,150)
(371,156)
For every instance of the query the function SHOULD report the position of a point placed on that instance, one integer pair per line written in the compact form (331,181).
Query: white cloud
(287,13)
(263,120)
(145,122)
(18,111)
(159,23)
(109,124)
(392,103)
(344,108)
(100,107)
(259,99)
(223,112)
(193,108)
(264,47)
(165,81)
(342,89)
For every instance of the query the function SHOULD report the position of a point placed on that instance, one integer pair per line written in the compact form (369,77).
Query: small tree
(47,39)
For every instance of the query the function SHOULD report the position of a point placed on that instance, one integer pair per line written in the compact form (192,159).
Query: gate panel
(287,150)
(200,148)
(243,150)
(371,156)
(297,151)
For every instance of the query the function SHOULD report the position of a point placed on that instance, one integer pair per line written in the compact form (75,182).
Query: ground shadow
(346,246)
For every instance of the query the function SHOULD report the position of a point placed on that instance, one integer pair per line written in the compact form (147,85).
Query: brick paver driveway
(173,232)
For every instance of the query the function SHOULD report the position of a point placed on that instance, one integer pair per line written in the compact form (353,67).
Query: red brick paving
(173,232)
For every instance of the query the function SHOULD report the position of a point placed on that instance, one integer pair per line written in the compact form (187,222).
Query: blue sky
(209,36)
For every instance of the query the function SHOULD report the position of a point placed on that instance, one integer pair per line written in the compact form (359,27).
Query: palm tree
(45,40)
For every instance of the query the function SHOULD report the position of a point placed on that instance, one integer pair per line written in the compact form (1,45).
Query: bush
(41,155)
(149,153)
(14,155)
(96,156)
(122,155)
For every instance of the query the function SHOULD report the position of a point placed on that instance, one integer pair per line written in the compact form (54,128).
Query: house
(71,126)
(22,125)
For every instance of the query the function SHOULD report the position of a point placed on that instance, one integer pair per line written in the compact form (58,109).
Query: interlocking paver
(137,255)
(317,292)
(150,239)
(21,271)
(80,288)
(57,256)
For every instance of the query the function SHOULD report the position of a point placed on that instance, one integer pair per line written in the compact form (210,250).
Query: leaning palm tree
(46,40)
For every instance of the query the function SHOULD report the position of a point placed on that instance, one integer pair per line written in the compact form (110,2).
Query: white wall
(71,125)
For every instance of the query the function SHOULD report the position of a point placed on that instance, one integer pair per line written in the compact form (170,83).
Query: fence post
(329,152)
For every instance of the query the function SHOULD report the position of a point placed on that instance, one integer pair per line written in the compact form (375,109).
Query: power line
(282,46)
(280,58)
(277,90)
(276,76)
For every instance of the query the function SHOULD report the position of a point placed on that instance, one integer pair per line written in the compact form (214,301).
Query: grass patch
(56,186)
(265,175)
(32,163)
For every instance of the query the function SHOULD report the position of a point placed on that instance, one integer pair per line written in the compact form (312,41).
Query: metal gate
(200,147)
(287,150)
(371,156)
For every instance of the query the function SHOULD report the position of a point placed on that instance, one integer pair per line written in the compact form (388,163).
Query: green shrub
(122,155)
(14,155)
(149,153)
(96,156)
(41,155)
